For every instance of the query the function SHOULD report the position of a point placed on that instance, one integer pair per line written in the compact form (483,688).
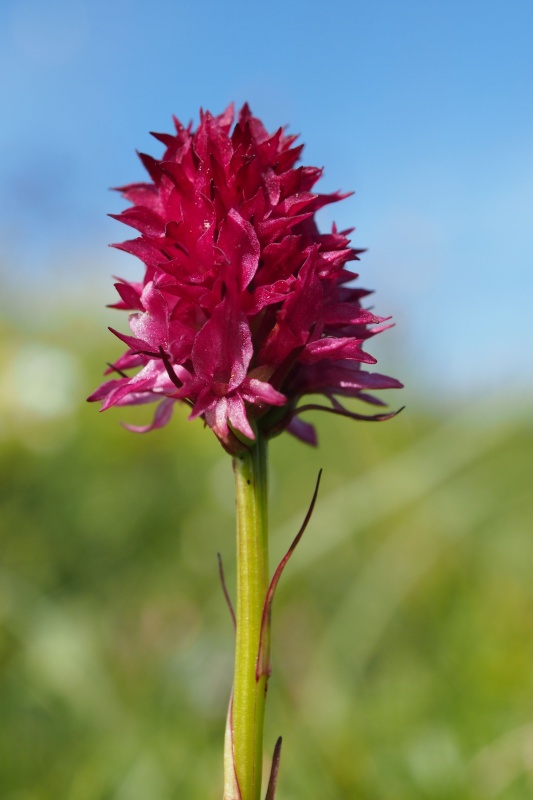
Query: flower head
(245,307)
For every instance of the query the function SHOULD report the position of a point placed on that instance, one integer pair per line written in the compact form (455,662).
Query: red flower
(245,306)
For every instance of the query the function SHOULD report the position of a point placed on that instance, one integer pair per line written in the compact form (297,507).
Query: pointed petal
(349,314)
(332,348)
(256,391)
(135,345)
(341,377)
(237,416)
(223,348)
(303,431)
(238,241)
(162,415)
(130,295)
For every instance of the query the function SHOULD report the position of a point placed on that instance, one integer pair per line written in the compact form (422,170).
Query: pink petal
(142,219)
(344,377)
(223,348)
(152,325)
(135,345)
(303,431)
(256,391)
(105,389)
(331,348)
(162,415)
(130,294)
(237,416)
(348,314)
(238,241)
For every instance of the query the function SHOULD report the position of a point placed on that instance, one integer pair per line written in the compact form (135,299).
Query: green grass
(402,631)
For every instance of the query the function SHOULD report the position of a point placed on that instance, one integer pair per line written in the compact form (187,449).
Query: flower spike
(245,307)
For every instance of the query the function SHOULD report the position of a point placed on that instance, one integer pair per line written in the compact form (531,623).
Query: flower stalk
(247,711)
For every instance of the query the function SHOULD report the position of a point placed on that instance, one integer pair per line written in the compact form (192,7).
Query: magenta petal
(237,416)
(152,325)
(299,315)
(106,389)
(303,431)
(152,379)
(141,398)
(143,249)
(141,194)
(130,295)
(272,228)
(217,419)
(331,348)
(256,391)
(205,402)
(162,415)
(135,345)
(348,314)
(143,220)
(238,241)
(223,348)
(126,361)
(344,377)
(127,394)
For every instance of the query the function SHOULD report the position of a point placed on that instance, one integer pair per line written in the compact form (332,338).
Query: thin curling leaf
(273,780)
(343,412)
(227,598)
(263,666)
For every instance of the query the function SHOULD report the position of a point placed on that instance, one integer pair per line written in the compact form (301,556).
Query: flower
(245,306)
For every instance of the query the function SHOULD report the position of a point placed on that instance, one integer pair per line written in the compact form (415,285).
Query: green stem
(249,690)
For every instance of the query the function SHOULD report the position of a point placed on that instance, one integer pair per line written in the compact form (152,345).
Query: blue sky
(424,108)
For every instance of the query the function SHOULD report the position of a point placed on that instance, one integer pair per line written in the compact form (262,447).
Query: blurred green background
(403,644)
(403,627)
